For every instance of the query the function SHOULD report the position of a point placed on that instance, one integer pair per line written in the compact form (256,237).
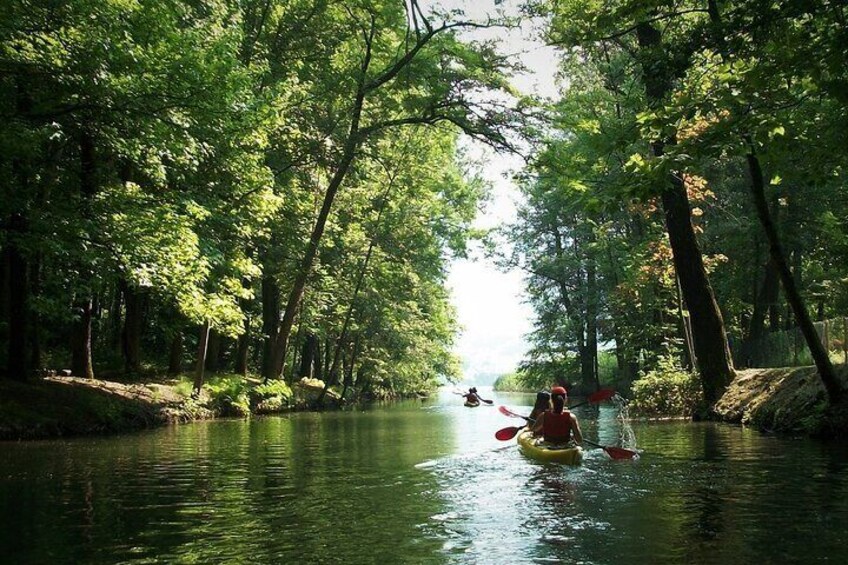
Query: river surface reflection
(421,482)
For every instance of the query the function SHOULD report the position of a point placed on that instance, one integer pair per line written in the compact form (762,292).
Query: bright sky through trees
(490,303)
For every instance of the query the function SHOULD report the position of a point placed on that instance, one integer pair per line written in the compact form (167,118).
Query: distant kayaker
(543,403)
(471,396)
(558,425)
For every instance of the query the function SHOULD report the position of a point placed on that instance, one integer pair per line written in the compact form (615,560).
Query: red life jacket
(556,428)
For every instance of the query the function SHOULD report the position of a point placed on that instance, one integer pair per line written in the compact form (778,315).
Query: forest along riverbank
(786,400)
(59,406)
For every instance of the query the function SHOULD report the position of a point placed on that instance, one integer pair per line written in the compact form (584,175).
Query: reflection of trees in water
(703,503)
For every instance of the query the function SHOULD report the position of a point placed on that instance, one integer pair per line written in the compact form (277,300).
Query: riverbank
(72,406)
(785,400)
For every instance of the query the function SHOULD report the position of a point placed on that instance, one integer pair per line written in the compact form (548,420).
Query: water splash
(626,435)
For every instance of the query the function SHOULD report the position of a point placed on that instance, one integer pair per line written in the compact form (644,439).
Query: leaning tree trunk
(793,296)
(834,388)
(281,343)
(213,352)
(200,365)
(708,333)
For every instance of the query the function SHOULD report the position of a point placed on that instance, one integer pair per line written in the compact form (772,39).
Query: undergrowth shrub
(271,396)
(229,395)
(668,390)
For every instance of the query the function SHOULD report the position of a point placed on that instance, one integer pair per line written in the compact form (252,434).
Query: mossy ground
(72,406)
(63,406)
(786,399)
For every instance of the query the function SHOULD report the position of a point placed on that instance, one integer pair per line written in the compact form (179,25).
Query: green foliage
(667,390)
(271,396)
(728,83)
(229,395)
(512,382)
(177,153)
(184,387)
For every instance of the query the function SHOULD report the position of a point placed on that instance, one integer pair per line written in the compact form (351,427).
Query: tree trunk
(5,258)
(18,362)
(81,365)
(270,322)
(317,361)
(116,330)
(242,350)
(81,362)
(686,328)
(200,365)
(213,352)
(765,301)
(307,357)
(296,295)
(133,322)
(35,329)
(19,295)
(571,312)
(348,154)
(591,325)
(175,355)
(708,333)
(793,296)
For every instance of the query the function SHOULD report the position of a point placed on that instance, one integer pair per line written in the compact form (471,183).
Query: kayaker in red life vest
(558,425)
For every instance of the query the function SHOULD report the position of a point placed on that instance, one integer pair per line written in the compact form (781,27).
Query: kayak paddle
(595,397)
(478,397)
(614,452)
(507,412)
(508,433)
(600,396)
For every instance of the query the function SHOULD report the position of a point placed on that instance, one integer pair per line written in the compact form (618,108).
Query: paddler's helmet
(559,390)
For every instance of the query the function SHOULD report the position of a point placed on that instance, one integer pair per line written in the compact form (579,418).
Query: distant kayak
(472,404)
(535,448)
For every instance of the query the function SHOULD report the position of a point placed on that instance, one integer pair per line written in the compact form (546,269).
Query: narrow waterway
(421,482)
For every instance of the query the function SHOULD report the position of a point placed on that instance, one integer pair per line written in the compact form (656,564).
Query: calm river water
(421,482)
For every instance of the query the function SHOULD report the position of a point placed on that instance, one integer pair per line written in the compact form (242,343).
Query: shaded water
(421,483)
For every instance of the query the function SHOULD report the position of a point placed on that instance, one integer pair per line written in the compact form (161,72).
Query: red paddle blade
(601,395)
(507,433)
(507,412)
(621,453)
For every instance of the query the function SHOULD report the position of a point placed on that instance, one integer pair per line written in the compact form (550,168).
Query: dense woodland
(276,187)
(263,186)
(691,191)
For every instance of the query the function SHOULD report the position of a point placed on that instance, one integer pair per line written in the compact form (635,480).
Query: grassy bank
(71,406)
(786,399)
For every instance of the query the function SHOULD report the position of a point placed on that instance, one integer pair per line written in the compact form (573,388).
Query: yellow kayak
(536,448)
(472,404)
